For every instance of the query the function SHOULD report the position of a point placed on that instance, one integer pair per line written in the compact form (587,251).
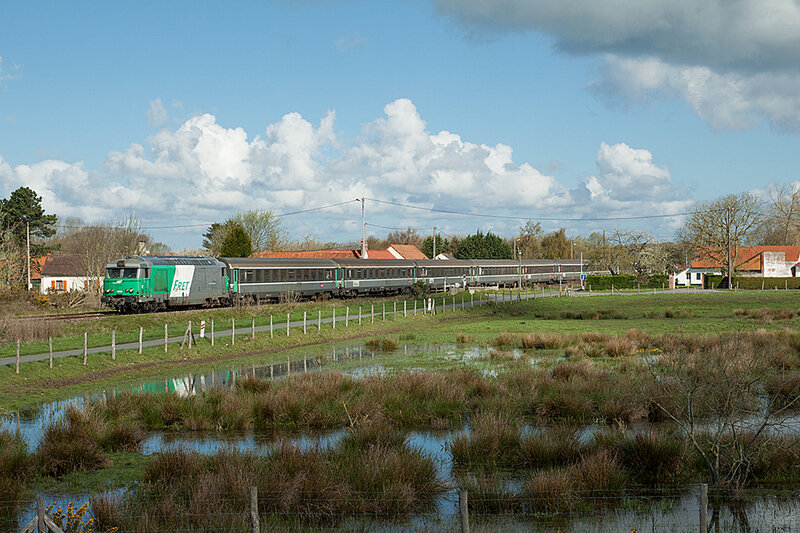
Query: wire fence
(674,510)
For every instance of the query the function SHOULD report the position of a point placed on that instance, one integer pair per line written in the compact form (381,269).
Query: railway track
(65,316)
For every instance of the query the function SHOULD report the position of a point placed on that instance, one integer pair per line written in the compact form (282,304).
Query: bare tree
(264,229)
(529,241)
(98,244)
(782,221)
(717,399)
(406,236)
(718,228)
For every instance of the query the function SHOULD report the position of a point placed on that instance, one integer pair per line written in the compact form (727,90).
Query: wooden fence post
(394,316)
(50,343)
(85,346)
(255,526)
(287,324)
(212,332)
(189,331)
(270,326)
(415,307)
(304,322)
(703,507)
(372,313)
(18,356)
(334,317)
(141,332)
(319,320)
(384,311)
(253,329)
(347,316)
(463,510)
(359,315)
(41,526)
(166,338)
(404,308)
(233,332)
(113,345)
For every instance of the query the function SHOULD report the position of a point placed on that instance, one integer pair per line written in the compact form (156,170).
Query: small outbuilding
(62,273)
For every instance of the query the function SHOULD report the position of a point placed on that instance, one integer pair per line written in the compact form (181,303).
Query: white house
(65,273)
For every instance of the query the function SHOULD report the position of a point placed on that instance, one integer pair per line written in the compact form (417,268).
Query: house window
(699,275)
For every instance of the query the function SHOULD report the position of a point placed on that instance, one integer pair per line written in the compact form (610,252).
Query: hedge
(751,283)
(627,281)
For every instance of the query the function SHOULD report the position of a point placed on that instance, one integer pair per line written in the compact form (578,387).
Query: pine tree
(237,243)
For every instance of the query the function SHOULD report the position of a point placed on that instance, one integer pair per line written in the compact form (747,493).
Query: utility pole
(434,243)
(728,230)
(363,229)
(28,239)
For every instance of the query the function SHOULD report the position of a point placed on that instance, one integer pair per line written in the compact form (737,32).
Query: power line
(204,224)
(507,217)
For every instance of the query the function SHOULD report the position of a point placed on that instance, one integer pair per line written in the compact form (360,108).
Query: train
(145,283)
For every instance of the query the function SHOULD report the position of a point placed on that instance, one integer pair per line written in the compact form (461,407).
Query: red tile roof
(747,257)
(378,254)
(408,251)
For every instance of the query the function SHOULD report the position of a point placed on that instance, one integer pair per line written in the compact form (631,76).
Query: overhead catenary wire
(529,217)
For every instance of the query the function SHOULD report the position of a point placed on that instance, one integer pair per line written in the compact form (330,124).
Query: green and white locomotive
(149,283)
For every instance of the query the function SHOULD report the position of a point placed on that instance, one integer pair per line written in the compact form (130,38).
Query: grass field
(622,365)
(701,314)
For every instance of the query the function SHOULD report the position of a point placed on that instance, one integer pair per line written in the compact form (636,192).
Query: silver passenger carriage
(440,275)
(377,276)
(261,280)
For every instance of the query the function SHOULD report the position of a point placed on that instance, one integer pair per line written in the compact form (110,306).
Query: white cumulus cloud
(203,172)
(157,113)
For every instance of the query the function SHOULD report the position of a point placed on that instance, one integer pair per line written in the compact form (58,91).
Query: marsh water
(676,510)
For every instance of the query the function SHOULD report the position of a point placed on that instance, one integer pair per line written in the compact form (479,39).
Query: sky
(576,114)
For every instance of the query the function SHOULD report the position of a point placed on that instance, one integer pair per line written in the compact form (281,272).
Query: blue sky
(185,112)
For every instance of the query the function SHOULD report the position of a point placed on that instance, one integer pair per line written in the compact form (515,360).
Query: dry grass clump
(28,329)
(550,491)
(544,341)
(766,314)
(253,385)
(66,448)
(594,337)
(640,338)
(569,369)
(489,493)
(463,338)
(77,441)
(369,475)
(605,314)
(15,468)
(552,446)
(620,347)
(306,400)
(505,340)
(678,313)
(651,458)
(499,355)
(493,442)
(381,345)
(415,399)
(599,472)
